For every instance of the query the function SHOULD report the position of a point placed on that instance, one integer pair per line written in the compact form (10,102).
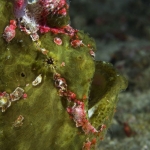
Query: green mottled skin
(46,122)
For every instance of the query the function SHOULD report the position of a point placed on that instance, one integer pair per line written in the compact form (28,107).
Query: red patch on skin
(19,3)
(13,23)
(71,96)
(62,12)
(76,43)
(25,96)
(58,41)
(44,29)
(9,31)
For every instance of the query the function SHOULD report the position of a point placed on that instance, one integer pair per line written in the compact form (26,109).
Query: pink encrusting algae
(77,112)
(32,17)
(9,31)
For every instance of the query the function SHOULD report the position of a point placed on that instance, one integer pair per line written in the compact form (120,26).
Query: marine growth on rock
(54,95)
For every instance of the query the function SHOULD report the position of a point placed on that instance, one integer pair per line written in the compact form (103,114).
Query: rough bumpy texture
(103,95)
(46,124)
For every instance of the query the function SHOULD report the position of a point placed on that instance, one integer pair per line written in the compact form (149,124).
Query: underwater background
(121,29)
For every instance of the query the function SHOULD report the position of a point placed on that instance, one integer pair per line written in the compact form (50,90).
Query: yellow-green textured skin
(47,125)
